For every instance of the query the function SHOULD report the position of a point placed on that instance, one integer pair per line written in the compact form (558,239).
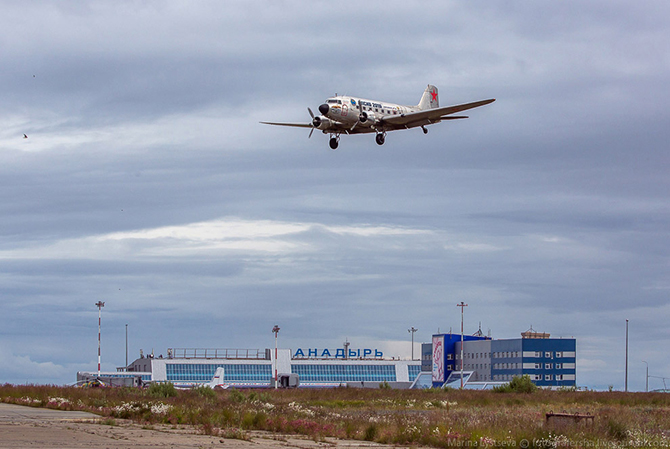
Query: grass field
(434,418)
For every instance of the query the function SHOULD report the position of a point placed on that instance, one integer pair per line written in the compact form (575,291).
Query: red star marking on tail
(434,94)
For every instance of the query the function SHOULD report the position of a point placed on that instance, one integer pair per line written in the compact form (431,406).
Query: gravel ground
(29,427)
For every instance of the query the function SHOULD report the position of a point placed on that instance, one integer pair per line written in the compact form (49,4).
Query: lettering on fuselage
(378,107)
(346,108)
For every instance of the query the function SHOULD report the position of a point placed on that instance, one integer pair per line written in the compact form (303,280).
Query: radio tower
(100,305)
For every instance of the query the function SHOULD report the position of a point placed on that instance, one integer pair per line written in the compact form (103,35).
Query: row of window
(549,354)
(506,355)
(487,366)
(129,375)
(345,373)
(383,111)
(506,365)
(534,377)
(556,365)
(471,366)
(512,355)
(187,372)
(552,377)
(486,355)
(365,108)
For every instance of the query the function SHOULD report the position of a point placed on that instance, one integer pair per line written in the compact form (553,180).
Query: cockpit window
(334,101)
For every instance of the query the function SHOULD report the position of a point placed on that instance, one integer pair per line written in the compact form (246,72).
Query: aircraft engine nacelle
(367,118)
(321,122)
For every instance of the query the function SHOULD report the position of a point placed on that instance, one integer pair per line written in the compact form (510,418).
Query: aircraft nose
(323,109)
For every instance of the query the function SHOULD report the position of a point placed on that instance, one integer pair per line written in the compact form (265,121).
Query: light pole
(626,377)
(100,305)
(646,385)
(411,331)
(462,305)
(126,347)
(276,332)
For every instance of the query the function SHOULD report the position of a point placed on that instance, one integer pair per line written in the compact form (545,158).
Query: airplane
(217,380)
(343,114)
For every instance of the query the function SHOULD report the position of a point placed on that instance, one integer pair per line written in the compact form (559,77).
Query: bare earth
(29,427)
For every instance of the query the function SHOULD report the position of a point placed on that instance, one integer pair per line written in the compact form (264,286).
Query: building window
(186,372)
(547,366)
(559,354)
(547,355)
(547,377)
(345,373)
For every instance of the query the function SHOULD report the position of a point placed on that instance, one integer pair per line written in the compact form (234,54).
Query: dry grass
(434,418)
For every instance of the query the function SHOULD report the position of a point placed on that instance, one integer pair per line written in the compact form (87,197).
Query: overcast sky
(147,182)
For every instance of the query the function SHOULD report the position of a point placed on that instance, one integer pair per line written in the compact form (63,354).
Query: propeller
(313,127)
(362,116)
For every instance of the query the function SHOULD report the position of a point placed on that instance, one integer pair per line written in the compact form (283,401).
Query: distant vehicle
(352,115)
(288,380)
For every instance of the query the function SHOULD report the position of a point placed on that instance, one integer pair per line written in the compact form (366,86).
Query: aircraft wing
(428,116)
(296,125)
(334,127)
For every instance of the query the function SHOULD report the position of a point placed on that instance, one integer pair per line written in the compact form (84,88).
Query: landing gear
(380,138)
(334,142)
(425,131)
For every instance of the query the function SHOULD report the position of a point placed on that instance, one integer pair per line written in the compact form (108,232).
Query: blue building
(446,353)
(549,362)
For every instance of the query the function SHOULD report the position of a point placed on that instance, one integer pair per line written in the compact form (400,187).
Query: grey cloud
(548,207)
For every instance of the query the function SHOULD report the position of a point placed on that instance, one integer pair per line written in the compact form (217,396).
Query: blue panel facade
(449,355)
(550,362)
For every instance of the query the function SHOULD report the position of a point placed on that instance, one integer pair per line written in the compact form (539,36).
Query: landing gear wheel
(425,131)
(334,141)
(380,138)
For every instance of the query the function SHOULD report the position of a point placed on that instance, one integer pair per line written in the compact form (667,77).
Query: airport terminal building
(251,368)
(550,362)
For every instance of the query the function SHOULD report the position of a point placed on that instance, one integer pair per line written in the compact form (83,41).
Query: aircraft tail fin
(429,99)
(218,378)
